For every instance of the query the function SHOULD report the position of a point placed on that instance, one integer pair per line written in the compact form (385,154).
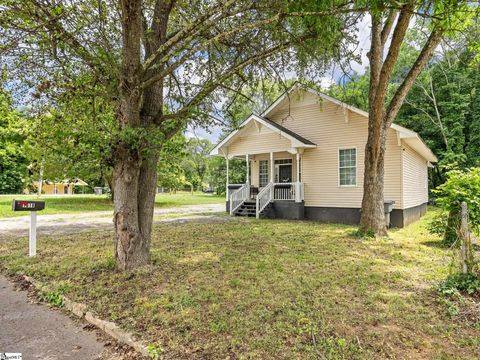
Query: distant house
(64,187)
(305,157)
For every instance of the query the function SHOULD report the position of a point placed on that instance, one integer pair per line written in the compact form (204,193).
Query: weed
(464,283)
(52,297)
(154,351)
(218,326)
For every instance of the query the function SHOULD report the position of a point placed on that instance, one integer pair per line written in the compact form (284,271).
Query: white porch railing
(288,191)
(279,191)
(264,197)
(238,196)
(231,191)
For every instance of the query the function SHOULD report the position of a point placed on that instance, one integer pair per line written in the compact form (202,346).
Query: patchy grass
(265,289)
(186,198)
(87,203)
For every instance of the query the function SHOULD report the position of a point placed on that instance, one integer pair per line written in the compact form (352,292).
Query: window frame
(260,173)
(356,166)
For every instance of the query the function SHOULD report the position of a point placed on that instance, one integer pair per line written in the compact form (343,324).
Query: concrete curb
(81,310)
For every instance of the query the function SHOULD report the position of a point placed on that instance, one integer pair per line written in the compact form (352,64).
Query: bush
(460,186)
(467,283)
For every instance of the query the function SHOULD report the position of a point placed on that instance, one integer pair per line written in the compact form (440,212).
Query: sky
(213,132)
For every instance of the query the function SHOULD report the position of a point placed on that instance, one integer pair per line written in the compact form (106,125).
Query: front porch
(273,187)
(273,158)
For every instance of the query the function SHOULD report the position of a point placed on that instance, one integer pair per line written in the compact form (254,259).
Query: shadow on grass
(436,244)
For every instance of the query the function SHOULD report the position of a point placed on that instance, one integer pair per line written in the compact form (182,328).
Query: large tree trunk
(373,215)
(135,170)
(131,248)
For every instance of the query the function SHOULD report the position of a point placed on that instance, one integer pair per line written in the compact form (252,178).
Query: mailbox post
(33,207)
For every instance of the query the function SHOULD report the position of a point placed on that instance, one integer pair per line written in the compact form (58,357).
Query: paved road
(66,223)
(40,333)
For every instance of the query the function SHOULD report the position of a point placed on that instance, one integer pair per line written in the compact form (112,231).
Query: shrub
(467,283)
(460,186)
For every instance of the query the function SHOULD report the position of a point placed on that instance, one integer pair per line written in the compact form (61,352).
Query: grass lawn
(265,289)
(87,203)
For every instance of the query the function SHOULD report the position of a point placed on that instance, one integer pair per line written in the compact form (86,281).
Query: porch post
(298,195)
(272,168)
(298,166)
(248,169)
(228,181)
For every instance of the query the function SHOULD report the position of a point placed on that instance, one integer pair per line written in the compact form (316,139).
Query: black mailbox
(27,205)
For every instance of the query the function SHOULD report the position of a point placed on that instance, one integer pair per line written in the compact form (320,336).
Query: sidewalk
(39,332)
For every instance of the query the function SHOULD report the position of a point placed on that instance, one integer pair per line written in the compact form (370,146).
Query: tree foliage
(171,174)
(13,160)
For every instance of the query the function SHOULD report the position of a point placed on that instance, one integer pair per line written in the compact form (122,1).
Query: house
(305,160)
(65,187)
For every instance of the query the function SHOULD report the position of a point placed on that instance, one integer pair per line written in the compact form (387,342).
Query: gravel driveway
(68,223)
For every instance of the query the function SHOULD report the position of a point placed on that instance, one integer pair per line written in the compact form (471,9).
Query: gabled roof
(298,86)
(287,131)
(410,137)
(297,140)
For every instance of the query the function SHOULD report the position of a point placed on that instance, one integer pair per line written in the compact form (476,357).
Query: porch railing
(264,197)
(288,191)
(231,188)
(237,197)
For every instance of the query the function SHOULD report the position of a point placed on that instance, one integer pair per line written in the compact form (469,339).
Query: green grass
(88,203)
(264,289)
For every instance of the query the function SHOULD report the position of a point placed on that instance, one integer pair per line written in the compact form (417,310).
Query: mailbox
(27,205)
(33,207)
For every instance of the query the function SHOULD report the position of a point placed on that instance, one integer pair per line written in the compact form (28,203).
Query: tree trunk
(141,108)
(372,218)
(40,178)
(131,247)
(380,119)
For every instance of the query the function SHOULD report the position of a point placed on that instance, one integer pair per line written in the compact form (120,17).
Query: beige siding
(259,142)
(324,123)
(415,184)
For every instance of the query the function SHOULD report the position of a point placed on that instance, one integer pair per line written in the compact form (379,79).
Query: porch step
(248,208)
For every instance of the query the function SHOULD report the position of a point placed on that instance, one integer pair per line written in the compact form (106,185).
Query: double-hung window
(263,173)
(347,167)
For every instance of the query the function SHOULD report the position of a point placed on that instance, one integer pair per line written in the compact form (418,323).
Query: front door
(283,173)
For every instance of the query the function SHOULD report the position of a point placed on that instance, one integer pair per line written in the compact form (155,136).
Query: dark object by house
(388,206)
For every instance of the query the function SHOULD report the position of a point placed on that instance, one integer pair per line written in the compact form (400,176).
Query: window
(283,162)
(347,167)
(263,173)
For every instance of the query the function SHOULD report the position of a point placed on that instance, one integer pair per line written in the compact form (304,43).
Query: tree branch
(387,26)
(212,84)
(219,37)
(188,32)
(420,62)
(394,48)
(53,24)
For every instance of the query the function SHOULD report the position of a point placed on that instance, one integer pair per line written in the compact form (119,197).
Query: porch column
(298,186)
(227,195)
(272,168)
(298,166)
(248,169)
